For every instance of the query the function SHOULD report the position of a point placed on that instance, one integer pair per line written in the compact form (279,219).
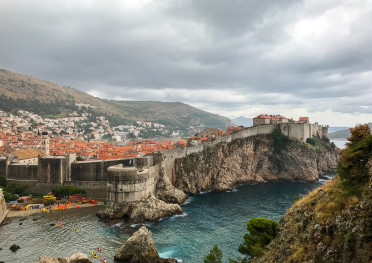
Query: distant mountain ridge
(21,92)
(242,121)
(343,134)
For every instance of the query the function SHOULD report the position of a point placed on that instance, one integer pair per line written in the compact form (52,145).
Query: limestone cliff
(252,159)
(326,226)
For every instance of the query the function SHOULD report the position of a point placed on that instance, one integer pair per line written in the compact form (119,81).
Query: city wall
(3,208)
(99,181)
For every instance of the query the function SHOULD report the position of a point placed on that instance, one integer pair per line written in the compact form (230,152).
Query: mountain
(242,121)
(21,92)
(342,134)
(334,129)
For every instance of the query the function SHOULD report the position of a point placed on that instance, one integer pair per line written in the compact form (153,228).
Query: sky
(230,57)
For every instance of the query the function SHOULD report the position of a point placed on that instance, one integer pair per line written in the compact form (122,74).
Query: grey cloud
(248,52)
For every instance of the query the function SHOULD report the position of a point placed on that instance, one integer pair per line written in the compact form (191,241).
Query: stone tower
(45,142)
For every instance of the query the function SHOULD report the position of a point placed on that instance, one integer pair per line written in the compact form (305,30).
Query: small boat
(94,254)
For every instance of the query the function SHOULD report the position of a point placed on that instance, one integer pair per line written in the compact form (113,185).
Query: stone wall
(126,184)
(94,170)
(22,172)
(3,207)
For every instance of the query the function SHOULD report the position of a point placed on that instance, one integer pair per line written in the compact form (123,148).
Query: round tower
(45,142)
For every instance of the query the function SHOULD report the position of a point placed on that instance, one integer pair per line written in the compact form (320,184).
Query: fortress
(130,179)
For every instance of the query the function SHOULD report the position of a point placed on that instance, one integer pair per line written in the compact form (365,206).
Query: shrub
(310,141)
(280,140)
(67,190)
(214,256)
(261,232)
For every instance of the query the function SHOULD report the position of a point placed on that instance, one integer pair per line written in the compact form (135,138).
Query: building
(27,156)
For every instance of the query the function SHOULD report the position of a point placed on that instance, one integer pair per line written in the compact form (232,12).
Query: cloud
(228,57)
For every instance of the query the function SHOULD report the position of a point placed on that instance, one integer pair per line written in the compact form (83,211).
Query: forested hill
(21,92)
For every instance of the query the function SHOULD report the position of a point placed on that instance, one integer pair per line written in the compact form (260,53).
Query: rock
(14,247)
(166,192)
(20,224)
(75,258)
(79,258)
(147,210)
(152,209)
(222,166)
(140,248)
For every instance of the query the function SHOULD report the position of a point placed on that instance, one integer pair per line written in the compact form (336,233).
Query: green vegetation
(280,140)
(324,142)
(67,190)
(11,191)
(215,255)
(53,109)
(352,167)
(261,232)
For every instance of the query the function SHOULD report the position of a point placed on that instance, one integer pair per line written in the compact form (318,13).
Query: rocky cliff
(252,159)
(328,225)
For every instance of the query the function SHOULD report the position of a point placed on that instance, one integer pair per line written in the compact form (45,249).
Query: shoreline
(25,213)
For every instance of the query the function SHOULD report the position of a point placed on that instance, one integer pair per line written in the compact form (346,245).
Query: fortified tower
(45,142)
(127,184)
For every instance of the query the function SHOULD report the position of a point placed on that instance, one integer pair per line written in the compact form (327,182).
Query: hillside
(342,134)
(333,223)
(21,92)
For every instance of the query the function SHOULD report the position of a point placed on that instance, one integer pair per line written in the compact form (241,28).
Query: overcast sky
(233,57)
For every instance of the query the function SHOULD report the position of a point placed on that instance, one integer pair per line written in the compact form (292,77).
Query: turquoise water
(209,218)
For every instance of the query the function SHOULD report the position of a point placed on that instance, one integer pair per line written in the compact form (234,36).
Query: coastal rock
(146,210)
(166,192)
(14,247)
(152,209)
(76,258)
(253,159)
(140,248)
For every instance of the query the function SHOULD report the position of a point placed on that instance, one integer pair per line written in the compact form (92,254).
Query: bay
(208,219)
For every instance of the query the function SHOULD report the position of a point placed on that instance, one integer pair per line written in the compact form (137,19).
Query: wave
(232,191)
(182,215)
(202,193)
(188,201)
(169,254)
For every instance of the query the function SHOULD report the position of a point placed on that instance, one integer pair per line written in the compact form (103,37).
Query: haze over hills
(344,133)
(242,121)
(21,92)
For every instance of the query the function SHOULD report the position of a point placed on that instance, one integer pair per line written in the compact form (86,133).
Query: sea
(209,218)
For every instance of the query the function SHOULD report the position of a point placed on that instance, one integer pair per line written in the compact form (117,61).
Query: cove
(209,218)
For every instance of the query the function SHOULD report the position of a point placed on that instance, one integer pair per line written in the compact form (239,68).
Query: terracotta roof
(28,153)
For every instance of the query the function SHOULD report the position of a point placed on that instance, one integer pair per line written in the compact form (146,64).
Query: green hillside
(21,92)
(343,134)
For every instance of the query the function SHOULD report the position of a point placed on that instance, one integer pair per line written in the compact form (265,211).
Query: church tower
(45,142)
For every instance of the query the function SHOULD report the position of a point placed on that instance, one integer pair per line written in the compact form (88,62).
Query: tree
(214,256)
(358,134)
(352,166)
(261,232)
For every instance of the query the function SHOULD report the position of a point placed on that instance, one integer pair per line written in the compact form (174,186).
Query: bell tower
(45,142)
